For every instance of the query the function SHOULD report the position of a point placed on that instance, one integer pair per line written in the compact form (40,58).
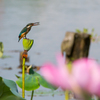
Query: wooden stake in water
(23,78)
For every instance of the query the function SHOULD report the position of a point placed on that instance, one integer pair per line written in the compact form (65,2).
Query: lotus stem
(66,95)
(32,95)
(23,78)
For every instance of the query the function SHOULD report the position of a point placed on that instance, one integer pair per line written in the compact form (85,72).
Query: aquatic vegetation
(33,82)
(94,36)
(8,90)
(1,49)
(27,44)
(85,30)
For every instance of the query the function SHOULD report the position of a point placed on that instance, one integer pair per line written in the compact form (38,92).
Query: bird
(26,29)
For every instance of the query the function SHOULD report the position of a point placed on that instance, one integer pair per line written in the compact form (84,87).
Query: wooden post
(75,45)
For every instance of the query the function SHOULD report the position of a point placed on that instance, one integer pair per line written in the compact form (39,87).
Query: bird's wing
(23,31)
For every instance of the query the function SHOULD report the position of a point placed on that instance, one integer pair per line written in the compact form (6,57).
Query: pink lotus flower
(85,75)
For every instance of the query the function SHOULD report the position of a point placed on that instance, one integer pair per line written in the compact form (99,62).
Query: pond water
(56,17)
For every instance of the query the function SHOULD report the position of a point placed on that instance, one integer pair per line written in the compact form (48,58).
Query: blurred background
(56,17)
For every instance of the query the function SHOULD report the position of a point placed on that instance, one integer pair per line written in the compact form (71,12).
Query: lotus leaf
(8,90)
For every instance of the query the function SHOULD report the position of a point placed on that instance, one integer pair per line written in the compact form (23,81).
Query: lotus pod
(27,44)
(1,49)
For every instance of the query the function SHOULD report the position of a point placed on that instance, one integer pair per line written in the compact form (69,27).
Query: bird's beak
(36,23)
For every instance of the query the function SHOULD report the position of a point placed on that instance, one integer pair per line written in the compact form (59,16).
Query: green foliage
(92,32)
(43,82)
(27,44)
(12,97)
(17,76)
(1,49)
(8,90)
(85,30)
(69,66)
(4,56)
(33,82)
(94,37)
(78,31)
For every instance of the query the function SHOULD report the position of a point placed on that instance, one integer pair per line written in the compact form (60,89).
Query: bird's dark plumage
(26,29)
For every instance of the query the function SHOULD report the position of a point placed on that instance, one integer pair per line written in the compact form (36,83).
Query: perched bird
(26,29)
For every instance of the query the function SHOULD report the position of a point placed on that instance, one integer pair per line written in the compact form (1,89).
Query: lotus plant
(83,75)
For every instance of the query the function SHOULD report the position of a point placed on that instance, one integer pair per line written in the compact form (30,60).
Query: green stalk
(23,78)
(66,95)
(32,95)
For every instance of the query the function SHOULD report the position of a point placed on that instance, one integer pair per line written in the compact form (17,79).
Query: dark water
(55,17)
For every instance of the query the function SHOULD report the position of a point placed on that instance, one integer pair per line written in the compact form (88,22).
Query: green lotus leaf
(31,82)
(27,44)
(8,90)
(43,82)
(12,97)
